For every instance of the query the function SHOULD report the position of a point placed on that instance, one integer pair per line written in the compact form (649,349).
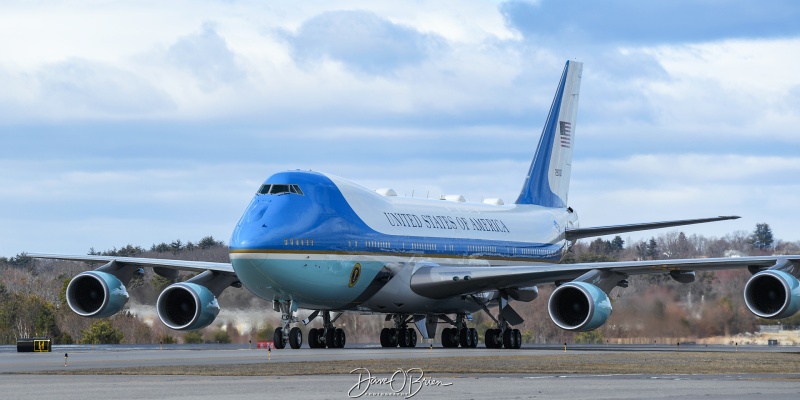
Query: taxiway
(41,376)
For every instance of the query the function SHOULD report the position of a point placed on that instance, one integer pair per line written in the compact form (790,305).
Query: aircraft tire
(295,338)
(403,338)
(277,339)
(455,337)
(465,338)
(413,334)
(330,338)
(488,338)
(384,335)
(313,338)
(498,341)
(339,338)
(507,338)
(446,337)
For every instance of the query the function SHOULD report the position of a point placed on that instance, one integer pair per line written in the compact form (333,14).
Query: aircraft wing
(580,233)
(437,282)
(182,265)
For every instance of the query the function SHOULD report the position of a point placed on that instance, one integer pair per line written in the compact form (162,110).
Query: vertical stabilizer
(547,183)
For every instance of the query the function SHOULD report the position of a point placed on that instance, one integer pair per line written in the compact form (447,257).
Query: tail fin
(547,183)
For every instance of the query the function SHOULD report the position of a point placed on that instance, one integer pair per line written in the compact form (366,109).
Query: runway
(341,387)
(28,375)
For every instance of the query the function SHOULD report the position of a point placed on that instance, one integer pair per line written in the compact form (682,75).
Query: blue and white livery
(317,242)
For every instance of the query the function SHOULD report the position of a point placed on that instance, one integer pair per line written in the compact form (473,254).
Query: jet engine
(96,294)
(187,306)
(772,294)
(579,306)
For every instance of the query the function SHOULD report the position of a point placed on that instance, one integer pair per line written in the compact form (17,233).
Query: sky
(146,122)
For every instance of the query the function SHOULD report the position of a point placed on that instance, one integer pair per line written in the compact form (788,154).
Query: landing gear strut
(284,334)
(401,335)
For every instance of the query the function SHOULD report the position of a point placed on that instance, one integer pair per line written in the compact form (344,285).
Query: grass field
(567,363)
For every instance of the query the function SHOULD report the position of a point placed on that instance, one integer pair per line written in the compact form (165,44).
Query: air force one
(320,243)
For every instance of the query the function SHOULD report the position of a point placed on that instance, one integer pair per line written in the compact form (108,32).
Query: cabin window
(280,189)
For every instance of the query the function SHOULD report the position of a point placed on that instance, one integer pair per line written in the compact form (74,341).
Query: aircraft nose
(250,231)
(256,213)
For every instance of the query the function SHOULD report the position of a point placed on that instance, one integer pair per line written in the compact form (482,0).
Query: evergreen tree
(599,247)
(193,337)
(102,332)
(762,237)
(651,250)
(617,244)
(209,242)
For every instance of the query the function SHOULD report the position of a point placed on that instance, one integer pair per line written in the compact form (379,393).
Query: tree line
(33,302)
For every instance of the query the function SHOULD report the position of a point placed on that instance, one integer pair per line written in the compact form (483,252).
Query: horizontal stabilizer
(575,234)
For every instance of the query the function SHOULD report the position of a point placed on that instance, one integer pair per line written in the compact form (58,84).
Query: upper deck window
(280,189)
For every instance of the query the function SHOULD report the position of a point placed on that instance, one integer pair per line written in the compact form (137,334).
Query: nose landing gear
(285,334)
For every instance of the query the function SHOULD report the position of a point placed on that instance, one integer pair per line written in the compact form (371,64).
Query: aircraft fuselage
(329,244)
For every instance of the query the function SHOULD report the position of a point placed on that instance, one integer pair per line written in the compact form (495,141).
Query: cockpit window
(280,189)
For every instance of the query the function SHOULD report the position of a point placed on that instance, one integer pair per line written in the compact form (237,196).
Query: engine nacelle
(187,306)
(772,294)
(579,306)
(96,294)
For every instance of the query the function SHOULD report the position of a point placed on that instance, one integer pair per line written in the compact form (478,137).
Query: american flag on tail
(566,133)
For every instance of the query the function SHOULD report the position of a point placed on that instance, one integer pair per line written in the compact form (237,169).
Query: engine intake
(579,306)
(772,294)
(96,294)
(187,306)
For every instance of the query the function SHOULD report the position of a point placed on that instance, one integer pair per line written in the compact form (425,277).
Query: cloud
(654,187)
(362,41)
(618,22)
(78,88)
(680,115)
(684,169)
(207,57)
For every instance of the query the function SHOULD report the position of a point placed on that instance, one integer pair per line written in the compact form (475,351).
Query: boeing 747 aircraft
(317,242)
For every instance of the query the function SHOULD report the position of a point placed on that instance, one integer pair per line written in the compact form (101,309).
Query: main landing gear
(401,335)
(328,336)
(504,336)
(460,335)
(500,338)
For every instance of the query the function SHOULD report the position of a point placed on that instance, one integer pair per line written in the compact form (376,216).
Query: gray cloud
(361,40)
